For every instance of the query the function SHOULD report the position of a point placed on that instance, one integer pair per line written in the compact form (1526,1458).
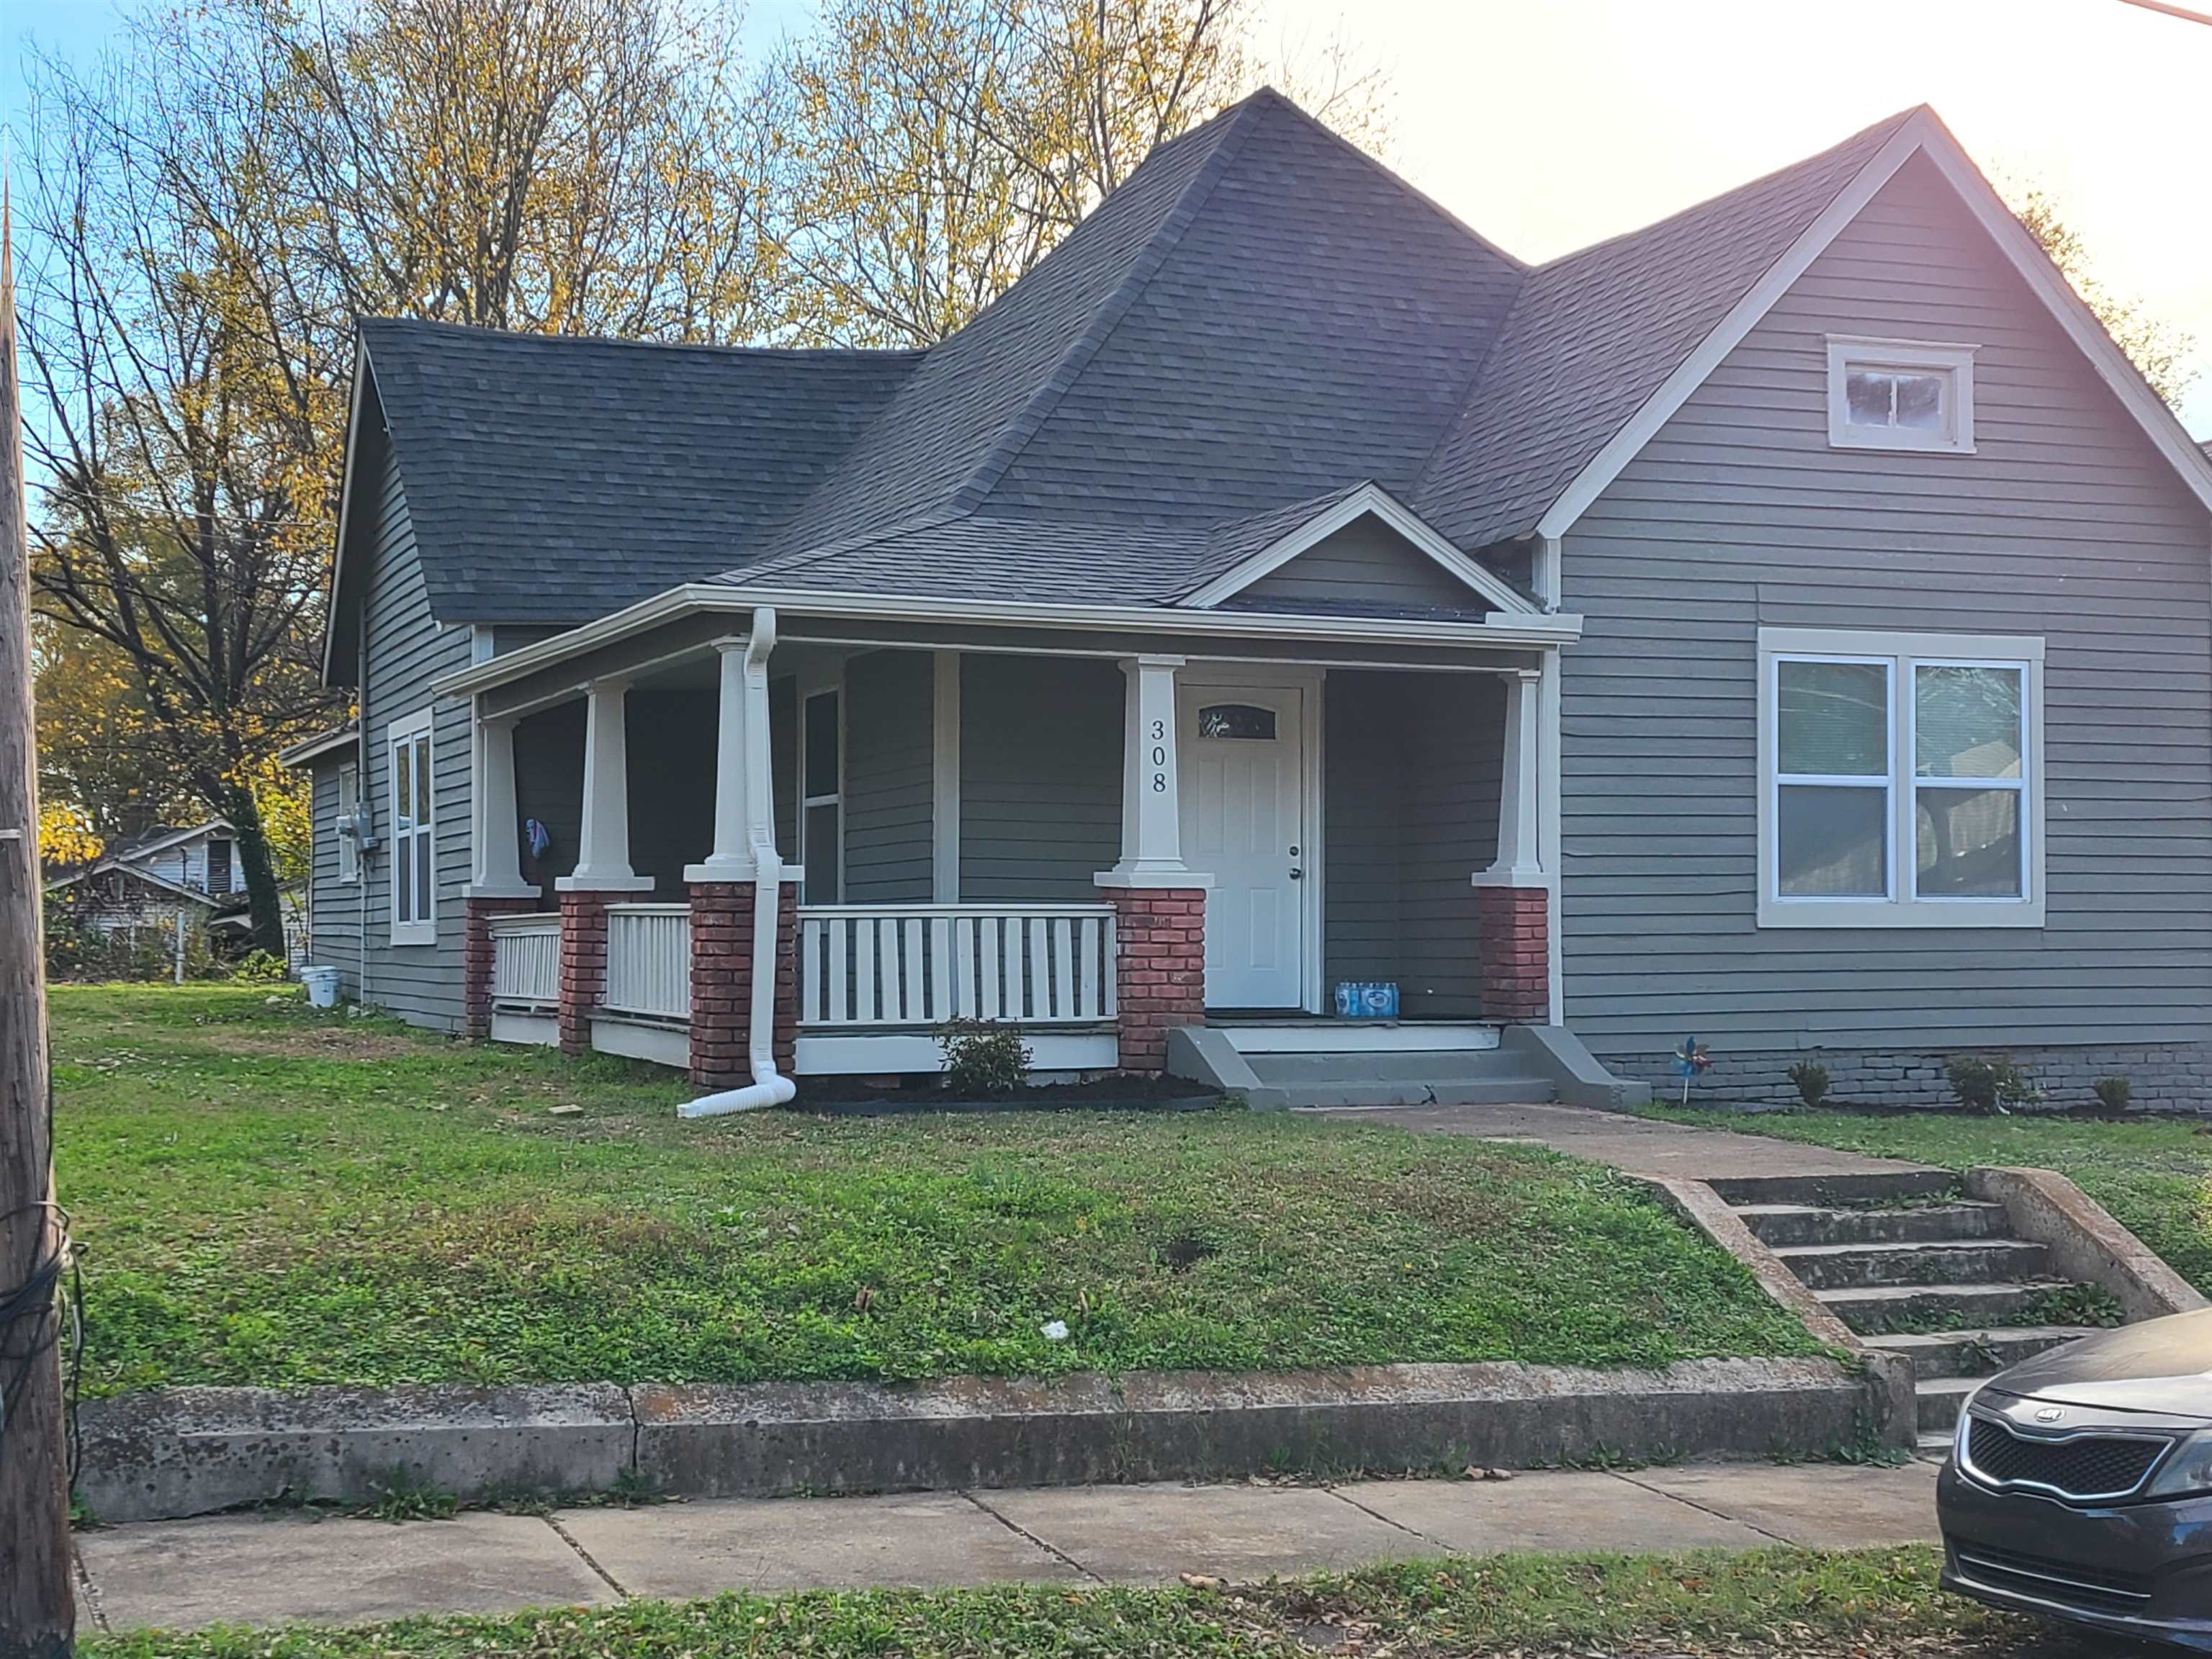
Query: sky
(1551,124)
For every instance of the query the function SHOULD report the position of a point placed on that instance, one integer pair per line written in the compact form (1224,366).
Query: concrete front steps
(1915,1268)
(1351,1065)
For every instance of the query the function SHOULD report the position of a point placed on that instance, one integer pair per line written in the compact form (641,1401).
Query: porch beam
(498,872)
(1520,860)
(603,845)
(1151,812)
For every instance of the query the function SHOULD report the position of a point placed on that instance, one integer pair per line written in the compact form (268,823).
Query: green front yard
(1867,1604)
(264,1195)
(2155,1175)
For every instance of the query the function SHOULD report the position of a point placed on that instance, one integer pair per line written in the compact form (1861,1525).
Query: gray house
(1788,624)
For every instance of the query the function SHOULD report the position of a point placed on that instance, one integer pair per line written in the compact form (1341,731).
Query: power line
(2171,10)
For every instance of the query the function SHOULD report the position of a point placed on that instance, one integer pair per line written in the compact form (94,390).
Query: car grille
(2080,1467)
(2068,1584)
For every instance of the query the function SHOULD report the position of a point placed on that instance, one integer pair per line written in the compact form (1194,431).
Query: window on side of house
(1901,779)
(1901,394)
(218,867)
(414,831)
(349,807)
(822,798)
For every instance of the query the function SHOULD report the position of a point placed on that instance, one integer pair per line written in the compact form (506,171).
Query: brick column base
(721,982)
(1517,953)
(583,966)
(476,957)
(1159,978)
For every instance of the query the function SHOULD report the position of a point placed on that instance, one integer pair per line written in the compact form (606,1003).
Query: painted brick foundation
(583,965)
(1516,952)
(721,982)
(1159,969)
(2165,1076)
(475,956)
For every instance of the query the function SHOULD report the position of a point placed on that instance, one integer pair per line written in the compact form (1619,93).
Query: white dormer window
(1901,394)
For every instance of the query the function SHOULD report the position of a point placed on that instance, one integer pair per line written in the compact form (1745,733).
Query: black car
(2080,1485)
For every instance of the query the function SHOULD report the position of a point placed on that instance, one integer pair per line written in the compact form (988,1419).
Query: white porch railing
(649,960)
(922,964)
(525,960)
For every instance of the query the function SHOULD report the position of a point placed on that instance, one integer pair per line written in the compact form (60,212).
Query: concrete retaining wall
(192,1451)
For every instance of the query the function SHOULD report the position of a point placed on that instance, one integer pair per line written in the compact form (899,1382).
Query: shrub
(1990,1083)
(982,1057)
(1812,1080)
(2113,1093)
(261,968)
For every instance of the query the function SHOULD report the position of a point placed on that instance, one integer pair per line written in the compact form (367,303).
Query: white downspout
(768,1086)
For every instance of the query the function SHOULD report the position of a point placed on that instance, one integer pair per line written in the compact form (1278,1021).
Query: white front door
(1243,822)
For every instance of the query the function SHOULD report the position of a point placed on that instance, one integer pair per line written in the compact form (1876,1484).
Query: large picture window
(1899,779)
(414,831)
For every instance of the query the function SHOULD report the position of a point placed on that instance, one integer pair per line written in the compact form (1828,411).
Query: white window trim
(348,834)
(423,930)
(1902,652)
(1848,352)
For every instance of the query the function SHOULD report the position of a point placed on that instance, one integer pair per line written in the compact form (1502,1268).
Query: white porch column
(732,858)
(498,871)
(1520,862)
(1151,810)
(603,846)
(945,779)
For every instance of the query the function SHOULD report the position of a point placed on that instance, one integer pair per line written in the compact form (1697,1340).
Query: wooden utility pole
(38,1615)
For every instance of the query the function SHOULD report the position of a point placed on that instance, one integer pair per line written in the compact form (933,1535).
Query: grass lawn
(1867,1605)
(2155,1175)
(267,1196)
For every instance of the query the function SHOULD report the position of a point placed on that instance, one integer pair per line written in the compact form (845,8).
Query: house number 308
(1159,757)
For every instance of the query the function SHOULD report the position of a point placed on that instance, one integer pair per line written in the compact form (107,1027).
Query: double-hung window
(348,820)
(821,792)
(414,832)
(1901,779)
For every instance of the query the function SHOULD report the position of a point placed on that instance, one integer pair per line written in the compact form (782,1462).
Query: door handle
(1297,875)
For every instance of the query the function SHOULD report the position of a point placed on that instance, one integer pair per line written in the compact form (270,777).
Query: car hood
(2162,1366)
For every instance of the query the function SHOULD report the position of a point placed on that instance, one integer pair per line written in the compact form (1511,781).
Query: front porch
(1095,849)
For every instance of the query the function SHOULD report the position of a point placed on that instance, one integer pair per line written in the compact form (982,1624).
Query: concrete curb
(2085,1243)
(1892,1391)
(192,1451)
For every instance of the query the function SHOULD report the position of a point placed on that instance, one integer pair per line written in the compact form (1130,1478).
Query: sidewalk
(265,1570)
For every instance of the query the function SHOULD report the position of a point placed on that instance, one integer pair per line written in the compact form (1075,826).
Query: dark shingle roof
(1592,335)
(1262,319)
(553,479)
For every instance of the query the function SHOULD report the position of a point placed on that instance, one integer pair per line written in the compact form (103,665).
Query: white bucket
(322,985)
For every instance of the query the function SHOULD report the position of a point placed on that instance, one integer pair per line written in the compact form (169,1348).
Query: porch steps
(1915,1268)
(1323,1072)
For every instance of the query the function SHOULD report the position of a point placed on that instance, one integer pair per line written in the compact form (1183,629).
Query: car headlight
(2187,1469)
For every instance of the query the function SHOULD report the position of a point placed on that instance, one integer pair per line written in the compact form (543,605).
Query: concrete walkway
(1640,1145)
(275,1569)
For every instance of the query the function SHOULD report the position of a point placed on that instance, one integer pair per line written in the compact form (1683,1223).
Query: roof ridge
(532,336)
(1888,126)
(1396,180)
(1237,123)
(798,558)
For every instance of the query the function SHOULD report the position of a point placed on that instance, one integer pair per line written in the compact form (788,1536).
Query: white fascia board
(212,826)
(1923,131)
(1528,629)
(1660,406)
(1373,499)
(347,469)
(311,749)
(2159,423)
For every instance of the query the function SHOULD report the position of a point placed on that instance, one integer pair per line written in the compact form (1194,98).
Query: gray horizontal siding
(1040,777)
(2064,524)
(334,906)
(1366,563)
(406,651)
(889,753)
(1412,775)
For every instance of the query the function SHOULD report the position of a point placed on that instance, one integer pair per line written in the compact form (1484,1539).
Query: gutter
(702,598)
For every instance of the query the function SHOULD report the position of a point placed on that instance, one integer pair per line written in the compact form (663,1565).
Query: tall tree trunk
(265,904)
